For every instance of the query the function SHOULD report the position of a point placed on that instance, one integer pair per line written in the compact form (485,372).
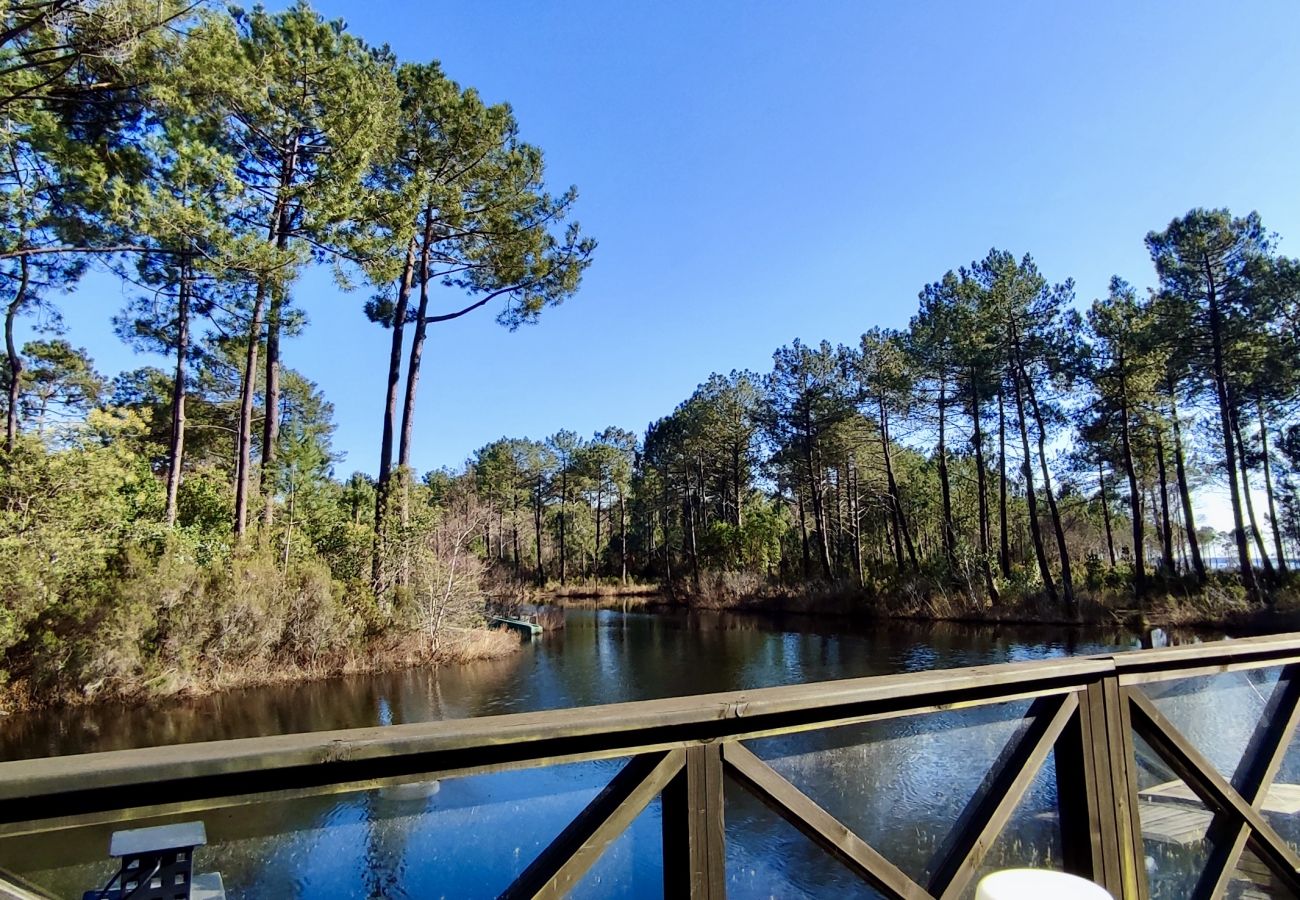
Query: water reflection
(900,783)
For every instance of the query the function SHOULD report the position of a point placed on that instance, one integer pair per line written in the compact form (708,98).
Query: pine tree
(308,109)
(1204,261)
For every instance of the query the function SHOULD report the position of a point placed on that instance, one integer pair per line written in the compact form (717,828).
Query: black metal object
(156,863)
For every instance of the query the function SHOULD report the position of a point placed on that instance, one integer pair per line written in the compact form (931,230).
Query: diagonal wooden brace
(1219,796)
(992,807)
(1254,776)
(563,863)
(823,829)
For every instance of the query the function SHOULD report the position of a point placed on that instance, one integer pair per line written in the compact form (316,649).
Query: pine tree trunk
(665,510)
(176,450)
(271,412)
(981,486)
(514,532)
(1134,494)
(819,511)
(1274,521)
(1166,526)
(1004,544)
(1035,531)
(15,358)
(834,517)
(417,347)
(895,535)
(537,531)
(803,534)
(564,516)
(247,391)
(895,497)
(595,553)
(1225,423)
(1258,536)
(1105,512)
(1067,580)
(855,514)
(280,226)
(692,548)
(1184,490)
(735,480)
(383,485)
(622,530)
(945,488)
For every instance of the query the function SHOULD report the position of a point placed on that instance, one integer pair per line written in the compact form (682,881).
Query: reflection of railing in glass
(1095,723)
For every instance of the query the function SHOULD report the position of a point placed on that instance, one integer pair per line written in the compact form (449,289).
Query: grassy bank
(386,654)
(161,624)
(597,590)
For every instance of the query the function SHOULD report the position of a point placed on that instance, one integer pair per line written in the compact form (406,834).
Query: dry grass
(625,602)
(597,589)
(926,599)
(1214,605)
(385,654)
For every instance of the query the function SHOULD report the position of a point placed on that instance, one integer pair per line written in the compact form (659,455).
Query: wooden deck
(1281,798)
(1171,823)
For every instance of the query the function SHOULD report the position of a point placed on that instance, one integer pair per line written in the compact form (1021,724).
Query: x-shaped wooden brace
(1238,819)
(563,863)
(972,836)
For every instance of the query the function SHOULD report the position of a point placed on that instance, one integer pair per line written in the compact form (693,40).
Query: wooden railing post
(694,847)
(1096,775)
(1079,802)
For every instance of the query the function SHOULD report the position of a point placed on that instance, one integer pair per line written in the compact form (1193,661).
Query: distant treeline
(1005,441)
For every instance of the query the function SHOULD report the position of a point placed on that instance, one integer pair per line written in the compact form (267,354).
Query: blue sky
(756,172)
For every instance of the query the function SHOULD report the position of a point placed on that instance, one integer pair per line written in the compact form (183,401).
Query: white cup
(1037,884)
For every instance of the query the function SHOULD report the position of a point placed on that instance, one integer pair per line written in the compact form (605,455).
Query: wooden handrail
(229,767)
(64,785)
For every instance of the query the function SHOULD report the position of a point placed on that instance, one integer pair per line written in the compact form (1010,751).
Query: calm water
(899,784)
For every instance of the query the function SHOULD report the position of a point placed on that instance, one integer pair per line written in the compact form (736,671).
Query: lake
(899,784)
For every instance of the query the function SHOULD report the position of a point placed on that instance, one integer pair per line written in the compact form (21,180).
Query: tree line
(1007,440)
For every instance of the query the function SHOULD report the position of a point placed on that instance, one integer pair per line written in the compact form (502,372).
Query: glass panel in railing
(1218,714)
(1032,837)
(903,785)
(1280,806)
(768,857)
(1175,827)
(1252,880)
(456,837)
(630,867)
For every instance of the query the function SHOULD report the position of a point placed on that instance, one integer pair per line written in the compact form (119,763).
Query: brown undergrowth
(1220,604)
(598,589)
(381,654)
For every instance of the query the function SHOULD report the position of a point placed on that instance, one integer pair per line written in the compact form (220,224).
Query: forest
(1015,450)
(1008,445)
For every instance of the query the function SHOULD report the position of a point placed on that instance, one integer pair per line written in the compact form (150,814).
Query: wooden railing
(1084,709)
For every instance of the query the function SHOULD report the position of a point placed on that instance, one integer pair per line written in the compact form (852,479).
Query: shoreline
(1163,612)
(382,655)
(397,653)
